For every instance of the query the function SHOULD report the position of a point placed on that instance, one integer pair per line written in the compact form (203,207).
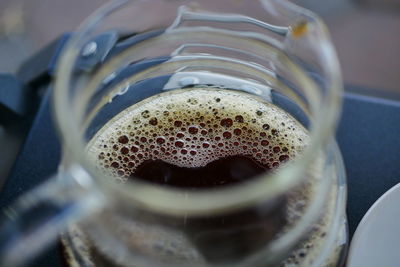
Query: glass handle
(36,218)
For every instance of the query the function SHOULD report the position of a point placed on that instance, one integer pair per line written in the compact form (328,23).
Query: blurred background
(366,34)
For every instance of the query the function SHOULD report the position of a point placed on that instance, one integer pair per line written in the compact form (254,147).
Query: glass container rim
(173,201)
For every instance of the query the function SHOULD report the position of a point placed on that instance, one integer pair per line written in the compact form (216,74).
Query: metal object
(90,49)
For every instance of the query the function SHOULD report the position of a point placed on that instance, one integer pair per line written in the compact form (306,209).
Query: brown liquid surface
(224,171)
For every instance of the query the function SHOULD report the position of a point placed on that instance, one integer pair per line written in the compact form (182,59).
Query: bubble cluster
(191,128)
(309,249)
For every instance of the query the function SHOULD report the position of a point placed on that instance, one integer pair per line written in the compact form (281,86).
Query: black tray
(368,136)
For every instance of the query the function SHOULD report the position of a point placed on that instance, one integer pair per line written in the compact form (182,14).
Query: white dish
(376,241)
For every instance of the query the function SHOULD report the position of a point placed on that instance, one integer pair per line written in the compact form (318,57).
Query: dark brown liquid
(224,171)
(231,235)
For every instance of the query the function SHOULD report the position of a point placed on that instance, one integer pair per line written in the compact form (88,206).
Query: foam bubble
(191,128)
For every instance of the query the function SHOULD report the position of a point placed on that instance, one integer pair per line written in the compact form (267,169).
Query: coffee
(216,137)
(204,138)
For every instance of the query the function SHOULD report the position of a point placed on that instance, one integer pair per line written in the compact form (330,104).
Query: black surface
(37,161)
(368,137)
(369,140)
(13,98)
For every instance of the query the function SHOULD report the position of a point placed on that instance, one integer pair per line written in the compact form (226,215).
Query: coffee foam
(193,127)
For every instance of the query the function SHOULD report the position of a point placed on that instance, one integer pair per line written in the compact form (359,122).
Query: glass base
(78,251)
